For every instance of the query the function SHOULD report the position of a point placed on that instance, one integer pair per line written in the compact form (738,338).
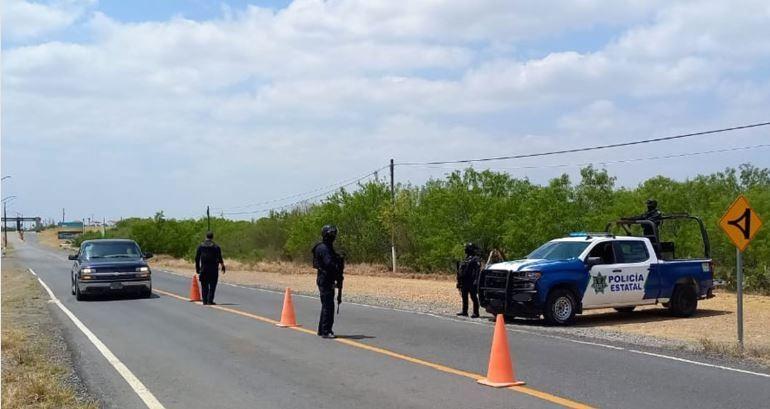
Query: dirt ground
(713,327)
(36,368)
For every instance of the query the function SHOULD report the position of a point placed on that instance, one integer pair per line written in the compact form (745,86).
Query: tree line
(432,222)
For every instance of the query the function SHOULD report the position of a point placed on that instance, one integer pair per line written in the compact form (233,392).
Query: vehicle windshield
(113,249)
(559,250)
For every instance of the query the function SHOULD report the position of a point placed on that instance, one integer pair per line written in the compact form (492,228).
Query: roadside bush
(492,209)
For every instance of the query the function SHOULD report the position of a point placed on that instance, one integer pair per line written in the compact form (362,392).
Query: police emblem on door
(600,283)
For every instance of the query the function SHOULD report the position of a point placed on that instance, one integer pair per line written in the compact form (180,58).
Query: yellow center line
(522,389)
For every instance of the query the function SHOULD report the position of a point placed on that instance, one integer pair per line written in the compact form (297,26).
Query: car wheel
(684,301)
(79,295)
(72,286)
(146,293)
(560,307)
(625,310)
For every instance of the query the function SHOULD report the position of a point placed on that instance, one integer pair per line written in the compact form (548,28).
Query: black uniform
(467,277)
(330,268)
(652,214)
(208,257)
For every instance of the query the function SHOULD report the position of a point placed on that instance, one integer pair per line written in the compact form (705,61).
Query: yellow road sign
(740,223)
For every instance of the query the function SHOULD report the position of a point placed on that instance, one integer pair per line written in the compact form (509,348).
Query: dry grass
(31,375)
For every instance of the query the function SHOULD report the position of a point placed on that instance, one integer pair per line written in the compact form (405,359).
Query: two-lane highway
(187,355)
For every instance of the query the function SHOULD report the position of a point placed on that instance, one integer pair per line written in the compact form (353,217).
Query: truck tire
(684,301)
(78,295)
(560,307)
(625,310)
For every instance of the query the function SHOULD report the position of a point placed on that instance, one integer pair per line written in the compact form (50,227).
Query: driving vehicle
(566,276)
(110,265)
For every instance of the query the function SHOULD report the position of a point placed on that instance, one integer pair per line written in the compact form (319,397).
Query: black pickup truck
(103,266)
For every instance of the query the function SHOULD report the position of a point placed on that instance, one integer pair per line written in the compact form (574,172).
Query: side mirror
(593,261)
(148,255)
(72,257)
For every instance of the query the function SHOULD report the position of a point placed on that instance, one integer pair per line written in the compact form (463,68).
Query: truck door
(598,292)
(633,260)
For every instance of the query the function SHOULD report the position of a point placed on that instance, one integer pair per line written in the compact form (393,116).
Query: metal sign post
(741,224)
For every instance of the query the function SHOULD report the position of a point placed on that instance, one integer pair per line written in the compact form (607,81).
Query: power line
(322,194)
(590,148)
(611,162)
(281,199)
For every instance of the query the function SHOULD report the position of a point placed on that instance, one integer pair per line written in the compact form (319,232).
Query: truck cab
(566,276)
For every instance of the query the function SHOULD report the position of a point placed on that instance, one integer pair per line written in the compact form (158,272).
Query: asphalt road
(191,356)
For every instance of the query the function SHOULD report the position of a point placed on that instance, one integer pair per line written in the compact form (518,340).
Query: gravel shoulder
(37,367)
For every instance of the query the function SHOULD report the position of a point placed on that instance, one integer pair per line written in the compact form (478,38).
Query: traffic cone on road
(288,319)
(195,290)
(500,373)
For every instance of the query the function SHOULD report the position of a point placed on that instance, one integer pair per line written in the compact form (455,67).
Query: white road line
(673,358)
(144,394)
(522,331)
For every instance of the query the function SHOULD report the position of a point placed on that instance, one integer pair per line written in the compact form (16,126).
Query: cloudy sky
(114,108)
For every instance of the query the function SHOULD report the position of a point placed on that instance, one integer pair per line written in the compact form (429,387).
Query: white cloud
(23,20)
(285,93)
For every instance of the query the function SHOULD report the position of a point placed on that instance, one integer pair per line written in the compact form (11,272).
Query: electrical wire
(336,186)
(611,162)
(589,148)
(304,200)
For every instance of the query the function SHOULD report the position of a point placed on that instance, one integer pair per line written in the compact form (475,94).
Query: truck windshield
(111,250)
(558,250)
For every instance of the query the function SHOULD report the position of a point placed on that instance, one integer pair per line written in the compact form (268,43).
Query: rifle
(339,299)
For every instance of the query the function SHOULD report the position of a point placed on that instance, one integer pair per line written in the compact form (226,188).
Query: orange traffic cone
(287,315)
(195,290)
(500,373)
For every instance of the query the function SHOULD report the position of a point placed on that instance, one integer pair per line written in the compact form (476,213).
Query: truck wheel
(684,301)
(560,307)
(78,295)
(625,310)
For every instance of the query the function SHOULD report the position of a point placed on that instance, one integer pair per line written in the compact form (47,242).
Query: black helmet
(470,249)
(652,204)
(329,232)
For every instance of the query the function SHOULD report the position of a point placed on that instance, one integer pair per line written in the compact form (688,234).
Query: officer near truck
(330,266)
(467,276)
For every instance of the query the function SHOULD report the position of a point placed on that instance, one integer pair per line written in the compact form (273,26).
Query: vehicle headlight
(532,275)
(143,269)
(87,270)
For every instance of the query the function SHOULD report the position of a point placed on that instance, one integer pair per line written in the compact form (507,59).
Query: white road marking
(144,394)
(673,358)
(522,331)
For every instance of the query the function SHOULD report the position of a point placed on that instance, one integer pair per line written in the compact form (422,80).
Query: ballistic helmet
(470,249)
(329,232)
(652,204)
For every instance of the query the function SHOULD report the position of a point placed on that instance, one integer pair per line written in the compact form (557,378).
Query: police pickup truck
(584,271)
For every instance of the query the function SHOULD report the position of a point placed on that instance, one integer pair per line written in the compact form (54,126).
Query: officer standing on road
(467,275)
(330,266)
(208,257)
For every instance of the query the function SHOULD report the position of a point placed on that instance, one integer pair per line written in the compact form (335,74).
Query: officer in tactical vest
(652,214)
(208,257)
(467,277)
(330,266)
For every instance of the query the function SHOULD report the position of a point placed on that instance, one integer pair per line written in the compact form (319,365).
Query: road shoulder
(38,369)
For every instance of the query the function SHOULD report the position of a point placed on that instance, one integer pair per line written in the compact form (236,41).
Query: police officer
(652,214)
(467,275)
(208,257)
(330,266)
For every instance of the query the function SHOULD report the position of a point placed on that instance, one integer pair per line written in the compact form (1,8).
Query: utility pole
(62,215)
(393,220)
(5,227)
(104,226)
(208,218)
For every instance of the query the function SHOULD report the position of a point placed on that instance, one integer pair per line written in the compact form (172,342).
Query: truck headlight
(532,275)
(143,269)
(87,270)
(86,277)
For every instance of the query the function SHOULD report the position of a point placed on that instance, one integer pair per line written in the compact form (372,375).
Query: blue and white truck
(566,276)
